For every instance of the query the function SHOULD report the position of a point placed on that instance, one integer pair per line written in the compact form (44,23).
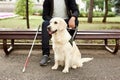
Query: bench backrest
(29,34)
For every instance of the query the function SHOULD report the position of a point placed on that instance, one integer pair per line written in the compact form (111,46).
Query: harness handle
(74,34)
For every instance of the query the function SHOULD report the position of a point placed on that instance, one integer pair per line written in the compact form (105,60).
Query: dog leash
(73,37)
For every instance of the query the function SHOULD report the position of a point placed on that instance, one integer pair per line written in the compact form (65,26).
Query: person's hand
(71,22)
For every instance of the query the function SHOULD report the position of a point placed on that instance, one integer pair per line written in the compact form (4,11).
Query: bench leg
(5,46)
(115,50)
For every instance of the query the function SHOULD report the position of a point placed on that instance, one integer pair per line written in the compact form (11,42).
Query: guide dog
(65,54)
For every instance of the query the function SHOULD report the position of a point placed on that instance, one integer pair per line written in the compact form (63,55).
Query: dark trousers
(46,37)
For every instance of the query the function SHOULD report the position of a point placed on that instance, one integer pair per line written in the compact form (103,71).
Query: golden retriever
(65,54)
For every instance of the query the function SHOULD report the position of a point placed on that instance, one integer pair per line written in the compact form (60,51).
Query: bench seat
(29,34)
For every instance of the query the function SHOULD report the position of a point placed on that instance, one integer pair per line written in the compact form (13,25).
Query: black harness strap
(73,37)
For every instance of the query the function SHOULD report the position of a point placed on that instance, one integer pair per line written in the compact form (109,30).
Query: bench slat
(80,34)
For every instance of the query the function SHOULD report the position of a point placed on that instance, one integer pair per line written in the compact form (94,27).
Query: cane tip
(23,70)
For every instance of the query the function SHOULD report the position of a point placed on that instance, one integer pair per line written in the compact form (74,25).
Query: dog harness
(71,41)
(73,37)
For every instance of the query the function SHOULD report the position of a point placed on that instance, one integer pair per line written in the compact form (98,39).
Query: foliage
(111,14)
(96,14)
(21,7)
(100,4)
(117,7)
(40,11)
(83,14)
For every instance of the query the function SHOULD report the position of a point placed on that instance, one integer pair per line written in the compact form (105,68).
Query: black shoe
(45,59)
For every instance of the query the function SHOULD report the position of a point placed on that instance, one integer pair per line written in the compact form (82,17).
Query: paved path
(105,66)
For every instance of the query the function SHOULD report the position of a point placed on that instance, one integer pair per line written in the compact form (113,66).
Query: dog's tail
(86,59)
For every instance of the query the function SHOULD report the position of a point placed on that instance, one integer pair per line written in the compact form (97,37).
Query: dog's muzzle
(50,31)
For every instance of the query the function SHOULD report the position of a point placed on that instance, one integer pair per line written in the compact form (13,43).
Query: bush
(111,14)
(96,14)
(21,7)
(40,11)
(83,14)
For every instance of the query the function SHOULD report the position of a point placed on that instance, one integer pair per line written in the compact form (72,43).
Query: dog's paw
(65,71)
(80,65)
(74,67)
(54,67)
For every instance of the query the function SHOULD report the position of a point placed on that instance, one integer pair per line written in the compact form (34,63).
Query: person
(66,9)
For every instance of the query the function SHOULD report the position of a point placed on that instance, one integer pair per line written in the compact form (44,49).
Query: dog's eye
(55,22)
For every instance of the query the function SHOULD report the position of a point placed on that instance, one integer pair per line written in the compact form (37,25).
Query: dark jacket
(72,9)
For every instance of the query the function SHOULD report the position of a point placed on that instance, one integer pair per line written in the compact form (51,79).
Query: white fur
(64,53)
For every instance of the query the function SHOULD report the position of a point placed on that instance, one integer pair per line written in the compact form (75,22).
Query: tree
(21,8)
(90,14)
(27,14)
(106,11)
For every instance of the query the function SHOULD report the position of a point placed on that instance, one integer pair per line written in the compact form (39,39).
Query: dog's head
(56,24)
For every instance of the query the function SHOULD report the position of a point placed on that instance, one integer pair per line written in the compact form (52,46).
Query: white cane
(26,62)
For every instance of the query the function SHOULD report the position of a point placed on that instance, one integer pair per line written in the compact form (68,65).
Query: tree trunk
(106,11)
(90,14)
(27,14)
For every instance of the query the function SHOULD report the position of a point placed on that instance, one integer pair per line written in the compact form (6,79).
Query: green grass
(99,19)
(112,23)
(99,26)
(19,23)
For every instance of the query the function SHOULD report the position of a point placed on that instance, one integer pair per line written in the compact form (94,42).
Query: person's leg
(45,44)
(45,38)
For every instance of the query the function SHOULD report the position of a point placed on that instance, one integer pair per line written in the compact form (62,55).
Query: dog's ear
(63,25)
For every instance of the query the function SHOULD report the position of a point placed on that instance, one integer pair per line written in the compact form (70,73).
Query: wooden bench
(105,35)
